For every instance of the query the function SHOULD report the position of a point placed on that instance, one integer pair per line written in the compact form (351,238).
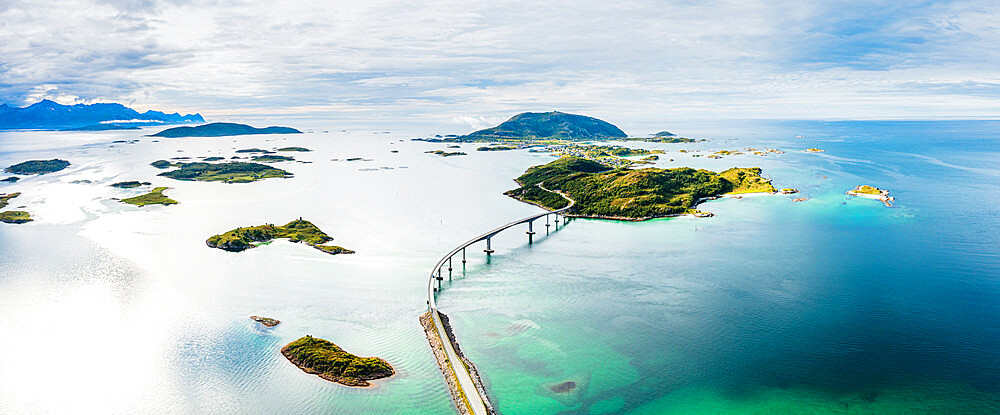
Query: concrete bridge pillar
(531,231)
(488,250)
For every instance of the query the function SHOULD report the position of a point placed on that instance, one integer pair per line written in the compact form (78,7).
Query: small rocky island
(330,362)
(663,137)
(221,129)
(230,172)
(6,197)
(15,216)
(443,153)
(154,197)
(37,167)
(627,194)
(267,321)
(872,192)
(271,158)
(241,239)
(130,184)
(12,216)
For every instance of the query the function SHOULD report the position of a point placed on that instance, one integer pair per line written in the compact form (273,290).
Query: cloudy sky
(477,61)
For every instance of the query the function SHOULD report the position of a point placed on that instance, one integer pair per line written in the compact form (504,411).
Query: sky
(474,63)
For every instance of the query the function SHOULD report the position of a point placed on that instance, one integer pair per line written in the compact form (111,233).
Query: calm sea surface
(831,305)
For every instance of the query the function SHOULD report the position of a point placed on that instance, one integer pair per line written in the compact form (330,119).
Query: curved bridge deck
(475,399)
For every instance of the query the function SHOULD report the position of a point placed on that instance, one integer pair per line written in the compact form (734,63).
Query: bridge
(475,398)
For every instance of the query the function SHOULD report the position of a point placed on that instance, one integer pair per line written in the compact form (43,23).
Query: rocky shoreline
(457,397)
(697,214)
(874,193)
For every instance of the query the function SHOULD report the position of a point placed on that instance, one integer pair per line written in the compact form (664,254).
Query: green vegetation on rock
(37,166)
(443,153)
(497,148)
(231,172)
(11,179)
(670,139)
(630,194)
(241,239)
(868,190)
(130,184)
(303,149)
(254,150)
(219,129)
(330,362)
(213,158)
(15,216)
(270,158)
(5,198)
(154,197)
(160,164)
(547,125)
(746,180)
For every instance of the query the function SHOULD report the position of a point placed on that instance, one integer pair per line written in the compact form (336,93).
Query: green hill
(219,129)
(548,125)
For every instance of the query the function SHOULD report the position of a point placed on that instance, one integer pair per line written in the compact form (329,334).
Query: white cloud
(470,62)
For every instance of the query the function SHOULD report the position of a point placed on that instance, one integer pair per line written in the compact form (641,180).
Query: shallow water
(830,305)
(833,305)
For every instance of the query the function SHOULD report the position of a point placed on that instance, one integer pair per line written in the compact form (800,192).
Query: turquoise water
(830,305)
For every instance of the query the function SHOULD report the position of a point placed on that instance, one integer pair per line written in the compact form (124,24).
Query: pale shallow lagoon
(833,305)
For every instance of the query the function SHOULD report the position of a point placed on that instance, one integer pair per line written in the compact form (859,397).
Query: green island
(15,216)
(443,153)
(301,149)
(553,125)
(229,172)
(254,150)
(130,184)
(626,194)
(330,362)
(872,192)
(5,198)
(155,197)
(498,148)
(662,137)
(220,129)
(37,167)
(814,150)
(160,164)
(270,158)
(213,158)
(11,179)
(595,152)
(241,239)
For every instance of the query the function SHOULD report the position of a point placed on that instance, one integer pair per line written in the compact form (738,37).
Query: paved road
(475,400)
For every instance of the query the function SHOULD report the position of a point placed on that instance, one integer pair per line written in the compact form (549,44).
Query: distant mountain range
(548,125)
(219,129)
(47,114)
